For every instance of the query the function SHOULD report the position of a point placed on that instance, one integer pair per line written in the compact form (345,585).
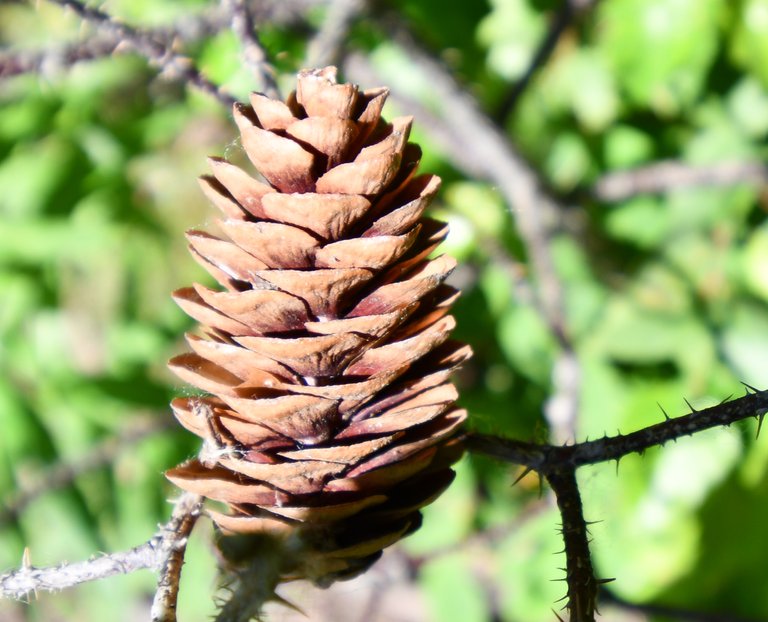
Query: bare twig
(54,60)
(254,54)
(175,535)
(63,474)
(59,57)
(20,584)
(154,554)
(671,175)
(327,45)
(159,54)
(561,22)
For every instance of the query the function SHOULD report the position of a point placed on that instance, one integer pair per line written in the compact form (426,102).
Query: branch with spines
(548,458)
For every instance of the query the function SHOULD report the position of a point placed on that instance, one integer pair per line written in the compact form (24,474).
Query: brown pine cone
(330,419)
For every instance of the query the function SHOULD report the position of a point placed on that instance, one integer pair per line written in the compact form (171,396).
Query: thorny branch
(558,465)
(579,574)
(161,552)
(548,458)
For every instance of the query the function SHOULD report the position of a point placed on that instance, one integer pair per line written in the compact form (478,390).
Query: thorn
(557,616)
(521,476)
(618,460)
(727,399)
(749,387)
(760,418)
(666,416)
(26,563)
(287,603)
(693,410)
(604,581)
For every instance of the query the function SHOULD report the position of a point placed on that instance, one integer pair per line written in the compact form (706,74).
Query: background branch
(174,66)
(675,613)
(254,55)
(672,175)
(326,47)
(56,59)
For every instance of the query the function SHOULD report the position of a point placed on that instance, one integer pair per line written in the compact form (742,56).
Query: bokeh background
(665,290)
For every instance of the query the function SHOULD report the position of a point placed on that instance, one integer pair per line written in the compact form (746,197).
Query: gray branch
(254,55)
(670,175)
(169,541)
(158,53)
(328,44)
(173,544)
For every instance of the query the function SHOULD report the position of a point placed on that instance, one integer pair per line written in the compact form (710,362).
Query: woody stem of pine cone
(173,545)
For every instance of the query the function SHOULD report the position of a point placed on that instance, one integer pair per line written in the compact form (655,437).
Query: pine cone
(330,420)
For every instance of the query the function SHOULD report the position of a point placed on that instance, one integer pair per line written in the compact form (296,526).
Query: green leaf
(661,50)
(528,568)
(527,343)
(745,343)
(748,105)
(750,40)
(511,32)
(626,146)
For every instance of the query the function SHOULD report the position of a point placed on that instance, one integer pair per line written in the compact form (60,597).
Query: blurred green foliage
(665,293)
